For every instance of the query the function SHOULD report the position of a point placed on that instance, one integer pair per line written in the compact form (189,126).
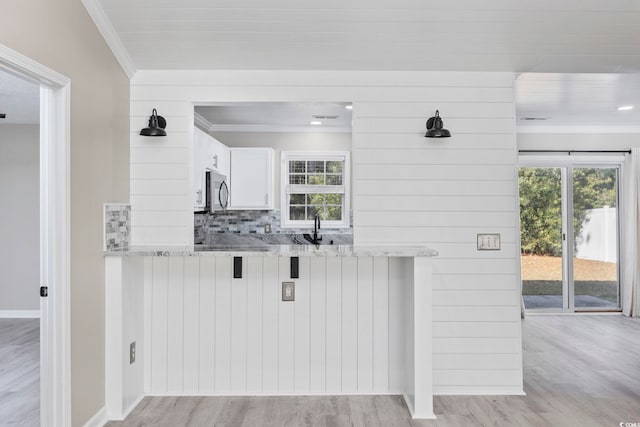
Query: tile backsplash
(117,226)
(246,222)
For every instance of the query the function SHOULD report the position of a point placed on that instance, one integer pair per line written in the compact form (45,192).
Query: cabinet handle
(266,199)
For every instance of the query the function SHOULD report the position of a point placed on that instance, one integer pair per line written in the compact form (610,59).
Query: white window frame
(286,188)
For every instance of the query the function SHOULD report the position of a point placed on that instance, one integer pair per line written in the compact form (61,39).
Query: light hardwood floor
(579,371)
(20,372)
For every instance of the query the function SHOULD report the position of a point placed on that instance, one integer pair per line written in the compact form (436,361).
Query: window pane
(315,199)
(297,179)
(334,167)
(311,212)
(296,213)
(315,166)
(334,199)
(334,179)
(297,166)
(332,213)
(316,180)
(297,199)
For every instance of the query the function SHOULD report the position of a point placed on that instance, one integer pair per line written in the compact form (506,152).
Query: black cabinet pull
(237,267)
(295,267)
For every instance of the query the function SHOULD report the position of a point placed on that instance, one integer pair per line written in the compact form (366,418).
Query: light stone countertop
(278,250)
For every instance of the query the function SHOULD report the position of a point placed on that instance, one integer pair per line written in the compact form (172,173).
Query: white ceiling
(19,100)
(275,117)
(494,35)
(578,100)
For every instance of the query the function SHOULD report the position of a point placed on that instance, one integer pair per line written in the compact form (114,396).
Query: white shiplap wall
(211,334)
(407,189)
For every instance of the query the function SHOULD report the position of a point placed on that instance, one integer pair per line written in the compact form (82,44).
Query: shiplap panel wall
(407,190)
(212,334)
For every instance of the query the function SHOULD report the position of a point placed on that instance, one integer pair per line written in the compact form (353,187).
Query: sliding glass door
(542,244)
(569,265)
(595,237)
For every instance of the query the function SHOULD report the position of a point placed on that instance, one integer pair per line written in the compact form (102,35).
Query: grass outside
(542,275)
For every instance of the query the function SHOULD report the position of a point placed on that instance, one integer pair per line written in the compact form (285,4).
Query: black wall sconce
(156,127)
(435,127)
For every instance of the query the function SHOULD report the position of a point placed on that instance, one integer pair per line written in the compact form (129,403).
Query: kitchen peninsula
(214,321)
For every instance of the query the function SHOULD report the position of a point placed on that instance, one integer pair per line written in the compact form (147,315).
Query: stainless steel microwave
(217,192)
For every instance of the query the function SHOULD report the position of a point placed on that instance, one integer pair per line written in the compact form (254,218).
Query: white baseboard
(19,314)
(477,391)
(99,419)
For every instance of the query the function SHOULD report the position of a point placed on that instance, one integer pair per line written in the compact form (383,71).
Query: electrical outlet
(488,242)
(132,352)
(288,291)
(267,228)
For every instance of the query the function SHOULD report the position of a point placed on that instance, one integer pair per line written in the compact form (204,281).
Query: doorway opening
(570,234)
(54,235)
(20,251)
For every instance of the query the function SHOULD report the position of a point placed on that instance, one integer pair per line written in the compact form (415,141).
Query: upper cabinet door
(251,178)
(198,169)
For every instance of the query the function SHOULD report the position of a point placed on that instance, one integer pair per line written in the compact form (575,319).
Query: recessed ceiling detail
(578,101)
(275,117)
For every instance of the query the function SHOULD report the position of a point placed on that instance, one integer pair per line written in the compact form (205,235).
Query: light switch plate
(288,291)
(489,242)
(132,352)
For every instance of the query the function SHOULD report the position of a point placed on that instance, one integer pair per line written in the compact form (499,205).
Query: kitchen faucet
(316,226)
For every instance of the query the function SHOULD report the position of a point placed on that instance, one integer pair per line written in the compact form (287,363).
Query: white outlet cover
(489,242)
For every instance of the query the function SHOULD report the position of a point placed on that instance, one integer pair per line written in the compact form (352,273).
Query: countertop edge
(279,250)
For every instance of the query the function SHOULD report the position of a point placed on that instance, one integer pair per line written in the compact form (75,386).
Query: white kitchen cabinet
(199,141)
(251,178)
(208,154)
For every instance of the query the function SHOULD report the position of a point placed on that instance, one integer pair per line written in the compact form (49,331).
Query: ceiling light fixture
(349,107)
(435,127)
(315,122)
(156,127)
(625,108)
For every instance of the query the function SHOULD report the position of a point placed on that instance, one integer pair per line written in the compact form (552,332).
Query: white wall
(285,141)
(20,217)
(407,189)
(61,35)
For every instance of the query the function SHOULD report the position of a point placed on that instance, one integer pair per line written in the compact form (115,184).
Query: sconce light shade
(435,127)
(157,124)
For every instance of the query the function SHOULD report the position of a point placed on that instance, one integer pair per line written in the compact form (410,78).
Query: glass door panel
(541,229)
(595,237)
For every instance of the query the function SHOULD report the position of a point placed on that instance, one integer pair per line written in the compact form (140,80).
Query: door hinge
(564,236)
(44,291)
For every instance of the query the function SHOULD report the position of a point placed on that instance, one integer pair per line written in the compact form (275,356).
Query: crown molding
(578,129)
(205,124)
(274,128)
(199,120)
(97,13)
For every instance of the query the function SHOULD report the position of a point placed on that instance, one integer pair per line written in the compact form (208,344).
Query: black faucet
(316,226)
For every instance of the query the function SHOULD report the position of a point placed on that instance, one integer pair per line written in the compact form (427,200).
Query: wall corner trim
(99,419)
(109,34)
(19,314)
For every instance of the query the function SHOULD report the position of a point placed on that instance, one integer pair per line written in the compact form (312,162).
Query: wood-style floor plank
(579,371)
(20,372)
